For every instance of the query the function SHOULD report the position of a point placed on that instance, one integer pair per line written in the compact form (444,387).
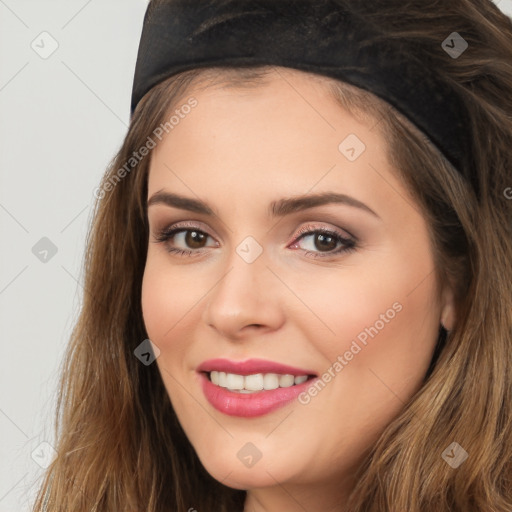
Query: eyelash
(349,244)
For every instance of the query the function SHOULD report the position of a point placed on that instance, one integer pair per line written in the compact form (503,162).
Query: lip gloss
(248,405)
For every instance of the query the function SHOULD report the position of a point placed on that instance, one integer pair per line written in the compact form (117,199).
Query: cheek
(375,303)
(165,299)
(377,339)
(376,330)
(168,316)
(156,303)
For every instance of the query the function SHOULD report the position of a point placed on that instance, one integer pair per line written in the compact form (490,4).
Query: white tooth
(285,381)
(223,379)
(270,381)
(234,381)
(254,382)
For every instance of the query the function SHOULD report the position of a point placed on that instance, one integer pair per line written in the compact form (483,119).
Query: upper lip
(250,367)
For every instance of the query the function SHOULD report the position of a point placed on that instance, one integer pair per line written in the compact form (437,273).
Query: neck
(298,498)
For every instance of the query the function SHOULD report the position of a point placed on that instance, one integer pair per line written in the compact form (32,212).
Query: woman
(326,286)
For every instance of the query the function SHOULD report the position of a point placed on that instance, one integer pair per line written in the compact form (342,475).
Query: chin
(237,476)
(244,479)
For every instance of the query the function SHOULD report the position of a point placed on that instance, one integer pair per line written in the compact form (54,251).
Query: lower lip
(248,405)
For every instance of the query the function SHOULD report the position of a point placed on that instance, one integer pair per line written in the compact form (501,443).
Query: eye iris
(326,242)
(194,239)
(322,238)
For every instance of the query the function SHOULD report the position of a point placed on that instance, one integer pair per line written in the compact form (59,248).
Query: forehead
(287,132)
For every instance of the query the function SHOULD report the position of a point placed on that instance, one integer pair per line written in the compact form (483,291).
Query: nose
(247,297)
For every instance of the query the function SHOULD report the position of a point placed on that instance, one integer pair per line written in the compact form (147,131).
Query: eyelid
(171,230)
(186,224)
(350,241)
(308,227)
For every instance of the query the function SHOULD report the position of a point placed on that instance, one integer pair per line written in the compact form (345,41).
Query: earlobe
(448,313)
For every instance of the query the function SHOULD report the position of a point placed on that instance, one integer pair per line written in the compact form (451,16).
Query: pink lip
(250,366)
(249,405)
(253,404)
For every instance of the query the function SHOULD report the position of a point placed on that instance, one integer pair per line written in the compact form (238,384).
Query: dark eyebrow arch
(280,208)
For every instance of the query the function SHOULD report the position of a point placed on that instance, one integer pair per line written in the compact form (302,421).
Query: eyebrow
(279,208)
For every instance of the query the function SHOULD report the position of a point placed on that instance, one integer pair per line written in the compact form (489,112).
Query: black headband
(322,36)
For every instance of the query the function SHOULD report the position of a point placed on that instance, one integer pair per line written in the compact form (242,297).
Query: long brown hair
(120,445)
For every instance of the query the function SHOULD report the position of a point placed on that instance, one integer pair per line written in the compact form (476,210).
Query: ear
(448,313)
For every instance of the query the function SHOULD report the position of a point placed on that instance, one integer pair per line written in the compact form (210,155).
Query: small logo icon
(351,147)
(249,455)
(44,45)
(455,455)
(454,45)
(249,249)
(44,454)
(44,250)
(147,352)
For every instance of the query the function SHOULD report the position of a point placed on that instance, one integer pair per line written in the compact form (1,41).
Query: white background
(62,119)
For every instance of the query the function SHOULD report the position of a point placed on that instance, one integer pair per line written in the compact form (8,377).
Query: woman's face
(357,307)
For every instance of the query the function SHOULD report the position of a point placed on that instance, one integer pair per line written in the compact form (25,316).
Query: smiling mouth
(255,382)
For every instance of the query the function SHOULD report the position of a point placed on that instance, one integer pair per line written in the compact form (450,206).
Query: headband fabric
(327,37)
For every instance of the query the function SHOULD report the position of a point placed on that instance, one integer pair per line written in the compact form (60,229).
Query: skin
(238,150)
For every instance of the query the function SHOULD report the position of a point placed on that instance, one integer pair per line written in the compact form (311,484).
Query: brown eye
(183,241)
(325,242)
(195,239)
